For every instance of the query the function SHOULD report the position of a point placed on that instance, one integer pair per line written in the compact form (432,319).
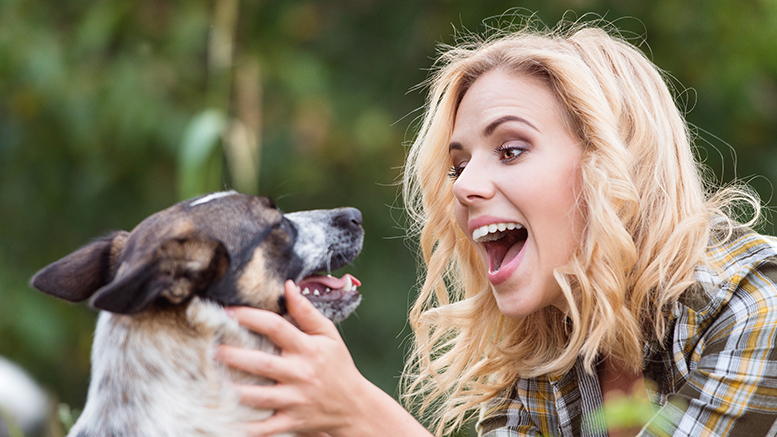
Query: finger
(279,330)
(266,397)
(276,424)
(253,361)
(309,319)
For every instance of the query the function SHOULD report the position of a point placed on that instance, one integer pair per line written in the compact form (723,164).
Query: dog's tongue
(324,282)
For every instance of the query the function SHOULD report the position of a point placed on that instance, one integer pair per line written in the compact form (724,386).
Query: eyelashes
(506,153)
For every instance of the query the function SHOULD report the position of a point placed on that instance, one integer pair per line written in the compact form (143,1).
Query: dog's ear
(179,268)
(79,275)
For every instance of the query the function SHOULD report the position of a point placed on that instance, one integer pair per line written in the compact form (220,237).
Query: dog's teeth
(299,290)
(305,292)
(327,290)
(348,284)
(316,293)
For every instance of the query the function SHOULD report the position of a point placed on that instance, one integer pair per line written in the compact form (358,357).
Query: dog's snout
(348,218)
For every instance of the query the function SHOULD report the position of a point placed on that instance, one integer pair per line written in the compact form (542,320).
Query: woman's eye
(455,171)
(508,153)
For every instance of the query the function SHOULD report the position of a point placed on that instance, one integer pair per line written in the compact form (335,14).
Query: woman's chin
(516,301)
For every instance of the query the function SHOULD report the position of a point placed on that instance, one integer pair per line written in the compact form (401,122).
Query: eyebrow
(494,124)
(492,127)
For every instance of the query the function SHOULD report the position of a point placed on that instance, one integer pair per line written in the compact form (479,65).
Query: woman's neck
(619,382)
(615,377)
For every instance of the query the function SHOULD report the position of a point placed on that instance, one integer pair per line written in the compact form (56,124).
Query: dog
(161,290)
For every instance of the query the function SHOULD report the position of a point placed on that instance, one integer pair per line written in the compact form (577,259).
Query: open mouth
(502,241)
(325,241)
(334,297)
(326,287)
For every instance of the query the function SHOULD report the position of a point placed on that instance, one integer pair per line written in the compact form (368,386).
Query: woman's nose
(473,184)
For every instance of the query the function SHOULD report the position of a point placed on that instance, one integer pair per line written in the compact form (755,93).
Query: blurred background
(111,110)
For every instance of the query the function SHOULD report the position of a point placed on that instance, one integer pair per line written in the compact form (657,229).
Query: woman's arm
(319,388)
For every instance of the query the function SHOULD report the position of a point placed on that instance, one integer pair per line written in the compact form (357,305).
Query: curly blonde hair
(647,223)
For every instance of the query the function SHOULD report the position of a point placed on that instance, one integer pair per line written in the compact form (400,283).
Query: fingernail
(296,290)
(230,312)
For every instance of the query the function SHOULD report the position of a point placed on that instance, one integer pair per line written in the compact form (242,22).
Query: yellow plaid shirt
(716,373)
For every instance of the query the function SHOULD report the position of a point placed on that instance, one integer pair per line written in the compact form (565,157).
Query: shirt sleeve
(731,384)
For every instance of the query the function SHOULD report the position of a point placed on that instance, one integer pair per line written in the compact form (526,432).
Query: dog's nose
(348,218)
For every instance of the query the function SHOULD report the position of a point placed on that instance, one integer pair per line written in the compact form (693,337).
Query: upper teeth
(349,286)
(493,231)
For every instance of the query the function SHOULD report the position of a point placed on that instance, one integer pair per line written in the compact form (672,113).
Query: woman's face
(516,166)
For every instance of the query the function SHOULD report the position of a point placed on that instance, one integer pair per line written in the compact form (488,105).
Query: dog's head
(231,248)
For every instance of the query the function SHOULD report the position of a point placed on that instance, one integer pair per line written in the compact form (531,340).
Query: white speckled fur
(131,355)
(309,244)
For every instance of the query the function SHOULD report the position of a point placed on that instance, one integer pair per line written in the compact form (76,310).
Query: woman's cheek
(462,217)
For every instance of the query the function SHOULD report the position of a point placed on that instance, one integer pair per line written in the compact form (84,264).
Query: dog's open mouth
(327,240)
(326,287)
(334,297)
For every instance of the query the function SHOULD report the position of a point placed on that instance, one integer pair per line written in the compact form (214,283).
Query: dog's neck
(155,373)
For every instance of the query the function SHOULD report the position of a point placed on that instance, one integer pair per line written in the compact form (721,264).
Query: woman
(572,252)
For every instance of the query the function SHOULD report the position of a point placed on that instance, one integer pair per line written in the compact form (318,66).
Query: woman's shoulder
(724,329)
(748,265)
(739,248)
(740,265)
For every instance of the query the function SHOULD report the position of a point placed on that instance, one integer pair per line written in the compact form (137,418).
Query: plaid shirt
(716,373)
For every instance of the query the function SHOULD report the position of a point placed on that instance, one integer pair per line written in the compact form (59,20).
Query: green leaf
(200,157)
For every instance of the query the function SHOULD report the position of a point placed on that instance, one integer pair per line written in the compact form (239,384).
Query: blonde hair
(647,223)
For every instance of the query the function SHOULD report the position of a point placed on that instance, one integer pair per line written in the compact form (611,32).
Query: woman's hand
(319,391)
(318,386)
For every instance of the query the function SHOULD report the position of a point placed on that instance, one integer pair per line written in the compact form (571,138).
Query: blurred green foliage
(111,110)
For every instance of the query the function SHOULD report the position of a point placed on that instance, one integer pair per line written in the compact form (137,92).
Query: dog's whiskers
(329,254)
